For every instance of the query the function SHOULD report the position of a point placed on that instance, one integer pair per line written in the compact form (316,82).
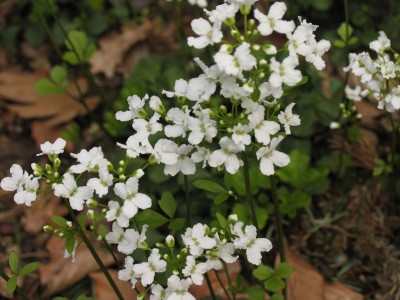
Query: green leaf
(262,273)
(60,298)
(13,262)
(277,297)
(58,74)
(45,86)
(11,285)
(255,293)
(77,40)
(274,284)
(221,198)
(283,270)
(70,57)
(354,133)
(221,220)
(151,218)
(177,224)
(339,44)
(60,221)
(353,41)
(102,230)
(345,31)
(29,268)
(83,297)
(70,243)
(209,186)
(168,204)
(71,133)
(91,49)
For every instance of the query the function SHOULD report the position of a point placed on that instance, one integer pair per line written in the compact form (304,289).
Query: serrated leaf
(11,285)
(29,268)
(13,262)
(60,221)
(177,224)
(221,198)
(168,204)
(221,220)
(58,74)
(209,186)
(283,270)
(274,284)
(151,218)
(262,273)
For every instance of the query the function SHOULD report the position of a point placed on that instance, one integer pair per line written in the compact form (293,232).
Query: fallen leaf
(52,110)
(113,47)
(37,57)
(41,211)
(60,273)
(103,290)
(307,283)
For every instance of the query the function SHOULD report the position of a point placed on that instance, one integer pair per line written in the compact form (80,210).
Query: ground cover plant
(186,157)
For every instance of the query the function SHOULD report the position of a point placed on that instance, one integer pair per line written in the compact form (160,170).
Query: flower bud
(170,241)
(223,108)
(245,9)
(142,113)
(47,228)
(232,218)
(256,47)
(159,245)
(229,22)
(334,125)
(235,34)
(122,177)
(141,296)
(175,272)
(166,257)
(57,163)
(121,163)
(48,169)
(138,173)
(92,203)
(91,214)
(69,224)
(184,251)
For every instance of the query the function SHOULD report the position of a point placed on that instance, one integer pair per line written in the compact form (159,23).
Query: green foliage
(345,32)
(168,204)
(208,185)
(13,262)
(291,201)
(151,218)
(80,50)
(57,84)
(71,133)
(273,280)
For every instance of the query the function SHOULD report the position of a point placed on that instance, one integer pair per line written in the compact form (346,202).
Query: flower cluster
(380,76)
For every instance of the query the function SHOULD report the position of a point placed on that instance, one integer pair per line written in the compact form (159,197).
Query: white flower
(132,199)
(200,88)
(146,128)
(135,109)
(221,251)
(69,189)
(194,271)
(180,119)
(240,134)
(115,213)
(381,44)
(273,21)
(147,270)
(135,146)
(288,119)
(227,155)
(208,34)
(299,41)
(158,292)
(317,49)
(195,238)
(393,99)
(199,3)
(179,288)
(53,149)
(128,272)
(116,235)
(184,164)
(353,94)
(222,12)
(27,194)
(88,160)
(262,129)
(248,240)
(17,179)
(270,157)
(201,128)
(166,152)
(242,60)
(156,104)
(128,240)
(285,72)
(100,185)
(201,155)
(179,89)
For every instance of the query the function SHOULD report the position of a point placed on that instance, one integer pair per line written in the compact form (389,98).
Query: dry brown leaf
(41,211)
(37,57)
(60,273)
(307,283)
(203,290)
(113,47)
(52,110)
(104,291)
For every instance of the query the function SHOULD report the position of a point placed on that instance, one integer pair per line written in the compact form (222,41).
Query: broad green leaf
(262,272)
(221,220)
(60,221)
(29,268)
(177,224)
(274,284)
(70,243)
(277,297)
(77,40)
(11,285)
(45,86)
(339,44)
(255,293)
(58,74)
(151,218)
(353,41)
(13,262)
(221,198)
(70,57)
(102,230)
(345,31)
(168,204)
(283,270)
(209,186)
(91,49)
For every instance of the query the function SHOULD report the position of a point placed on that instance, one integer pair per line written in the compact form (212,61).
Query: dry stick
(210,287)
(20,291)
(249,197)
(93,251)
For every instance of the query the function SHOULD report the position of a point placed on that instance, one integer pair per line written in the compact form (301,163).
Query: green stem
(278,218)
(229,280)
(222,285)
(188,201)
(93,251)
(249,197)
(20,291)
(210,287)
